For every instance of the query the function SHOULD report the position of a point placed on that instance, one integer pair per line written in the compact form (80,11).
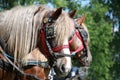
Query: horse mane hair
(19,28)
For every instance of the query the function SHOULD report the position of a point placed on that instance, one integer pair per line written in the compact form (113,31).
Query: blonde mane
(64,27)
(19,28)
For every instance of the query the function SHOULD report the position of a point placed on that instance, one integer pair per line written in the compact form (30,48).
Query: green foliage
(60,3)
(6,4)
(100,35)
(115,43)
(115,46)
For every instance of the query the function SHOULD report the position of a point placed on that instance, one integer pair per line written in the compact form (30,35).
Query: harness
(47,34)
(80,32)
(8,66)
(45,37)
(83,36)
(34,62)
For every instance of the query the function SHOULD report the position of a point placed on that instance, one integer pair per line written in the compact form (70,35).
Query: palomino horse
(79,46)
(76,45)
(36,55)
(25,28)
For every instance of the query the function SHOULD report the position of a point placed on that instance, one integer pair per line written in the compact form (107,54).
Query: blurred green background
(102,20)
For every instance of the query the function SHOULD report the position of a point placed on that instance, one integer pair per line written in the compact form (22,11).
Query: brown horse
(25,28)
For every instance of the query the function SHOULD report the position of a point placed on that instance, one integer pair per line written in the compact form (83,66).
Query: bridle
(83,36)
(47,34)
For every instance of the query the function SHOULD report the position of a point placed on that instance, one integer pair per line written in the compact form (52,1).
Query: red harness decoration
(44,47)
(43,44)
(58,48)
(42,38)
(72,39)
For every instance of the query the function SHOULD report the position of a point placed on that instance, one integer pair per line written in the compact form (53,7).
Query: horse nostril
(63,68)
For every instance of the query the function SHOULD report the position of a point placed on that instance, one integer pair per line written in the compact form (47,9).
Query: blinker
(50,32)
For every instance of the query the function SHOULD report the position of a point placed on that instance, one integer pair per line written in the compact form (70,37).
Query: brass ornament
(45,20)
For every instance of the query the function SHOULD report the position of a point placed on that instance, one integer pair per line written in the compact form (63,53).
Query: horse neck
(35,55)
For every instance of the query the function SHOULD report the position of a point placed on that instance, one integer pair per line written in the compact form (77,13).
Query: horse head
(53,40)
(79,43)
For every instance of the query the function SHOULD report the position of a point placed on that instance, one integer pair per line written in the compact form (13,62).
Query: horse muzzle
(62,70)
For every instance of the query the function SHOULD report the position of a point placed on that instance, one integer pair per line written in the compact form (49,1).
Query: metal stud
(45,20)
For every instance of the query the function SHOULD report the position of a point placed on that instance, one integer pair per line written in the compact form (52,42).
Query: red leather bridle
(58,48)
(82,35)
(44,42)
(81,47)
(53,51)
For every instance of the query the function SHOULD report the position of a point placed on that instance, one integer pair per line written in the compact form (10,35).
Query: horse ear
(81,20)
(72,13)
(57,13)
